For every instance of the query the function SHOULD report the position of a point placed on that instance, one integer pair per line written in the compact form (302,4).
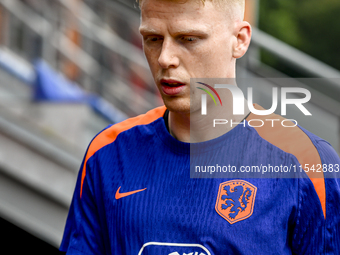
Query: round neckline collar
(187,148)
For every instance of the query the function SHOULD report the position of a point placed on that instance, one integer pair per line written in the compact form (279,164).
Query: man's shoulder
(325,149)
(142,119)
(313,153)
(291,138)
(110,134)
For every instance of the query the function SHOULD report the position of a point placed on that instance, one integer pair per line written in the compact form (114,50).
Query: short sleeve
(331,160)
(315,233)
(83,234)
(308,234)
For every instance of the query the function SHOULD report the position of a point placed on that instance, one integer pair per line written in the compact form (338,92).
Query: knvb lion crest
(235,200)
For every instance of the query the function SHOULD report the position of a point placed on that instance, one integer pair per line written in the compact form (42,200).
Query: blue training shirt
(134,194)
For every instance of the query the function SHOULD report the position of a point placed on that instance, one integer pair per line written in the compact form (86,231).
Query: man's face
(183,41)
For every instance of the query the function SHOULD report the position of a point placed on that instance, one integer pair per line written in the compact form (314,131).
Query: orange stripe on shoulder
(294,141)
(109,135)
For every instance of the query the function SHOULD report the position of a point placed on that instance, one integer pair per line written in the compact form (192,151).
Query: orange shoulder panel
(294,141)
(109,135)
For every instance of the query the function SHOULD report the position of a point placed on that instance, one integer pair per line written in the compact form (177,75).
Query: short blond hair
(241,3)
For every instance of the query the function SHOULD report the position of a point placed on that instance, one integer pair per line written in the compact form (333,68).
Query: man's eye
(189,39)
(152,39)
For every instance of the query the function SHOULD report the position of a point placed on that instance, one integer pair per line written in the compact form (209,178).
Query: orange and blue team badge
(235,200)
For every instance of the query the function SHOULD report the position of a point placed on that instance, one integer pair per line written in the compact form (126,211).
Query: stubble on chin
(177,105)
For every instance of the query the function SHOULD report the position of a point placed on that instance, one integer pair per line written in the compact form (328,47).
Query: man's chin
(178,105)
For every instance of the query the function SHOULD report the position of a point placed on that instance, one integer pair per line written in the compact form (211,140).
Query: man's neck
(194,127)
(179,126)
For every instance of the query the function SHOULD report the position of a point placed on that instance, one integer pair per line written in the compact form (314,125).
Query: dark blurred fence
(95,43)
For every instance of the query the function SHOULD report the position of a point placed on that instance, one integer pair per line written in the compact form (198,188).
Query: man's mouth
(171,87)
(171,83)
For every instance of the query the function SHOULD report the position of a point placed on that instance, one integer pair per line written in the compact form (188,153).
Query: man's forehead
(170,7)
(175,11)
(187,16)
(171,2)
(199,2)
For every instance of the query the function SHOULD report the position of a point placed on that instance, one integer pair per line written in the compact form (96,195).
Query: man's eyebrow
(190,31)
(144,30)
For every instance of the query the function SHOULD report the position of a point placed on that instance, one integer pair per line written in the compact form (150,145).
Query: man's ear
(243,36)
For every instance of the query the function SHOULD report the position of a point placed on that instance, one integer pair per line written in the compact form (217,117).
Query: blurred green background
(311,26)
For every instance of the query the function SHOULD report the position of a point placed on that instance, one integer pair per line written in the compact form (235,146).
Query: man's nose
(168,57)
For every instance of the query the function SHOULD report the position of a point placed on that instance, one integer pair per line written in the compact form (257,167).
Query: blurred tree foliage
(312,26)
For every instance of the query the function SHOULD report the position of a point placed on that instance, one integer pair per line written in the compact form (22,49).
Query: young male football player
(134,194)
